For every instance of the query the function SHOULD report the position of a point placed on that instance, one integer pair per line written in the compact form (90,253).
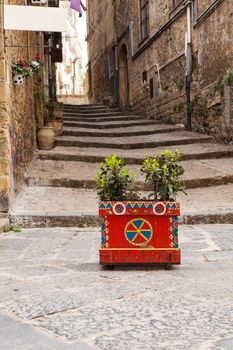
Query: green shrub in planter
(113,181)
(164,172)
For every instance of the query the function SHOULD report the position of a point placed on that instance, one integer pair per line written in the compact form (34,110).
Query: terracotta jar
(45,138)
(57,125)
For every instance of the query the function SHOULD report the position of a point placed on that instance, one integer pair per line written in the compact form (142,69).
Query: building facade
(168,59)
(70,76)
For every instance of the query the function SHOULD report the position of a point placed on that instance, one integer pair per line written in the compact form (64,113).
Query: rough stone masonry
(144,60)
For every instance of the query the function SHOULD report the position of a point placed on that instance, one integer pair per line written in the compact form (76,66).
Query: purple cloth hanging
(78,6)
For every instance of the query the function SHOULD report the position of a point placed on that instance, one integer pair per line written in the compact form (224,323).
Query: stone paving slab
(198,173)
(89,154)
(55,296)
(18,335)
(44,206)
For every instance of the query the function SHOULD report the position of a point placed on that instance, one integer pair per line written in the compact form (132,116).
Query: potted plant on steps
(45,133)
(53,123)
(55,116)
(136,231)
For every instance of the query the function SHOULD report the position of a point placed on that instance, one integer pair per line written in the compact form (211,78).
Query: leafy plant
(113,181)
(163,172)
(180,84)
(219,85)
(22,67)
(13,228)
(26,67)
(52,104)
(198,105)
(36,63)
(229,78)
(49,105)
(180,106)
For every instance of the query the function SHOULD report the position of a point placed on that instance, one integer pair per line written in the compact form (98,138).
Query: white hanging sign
(33,18)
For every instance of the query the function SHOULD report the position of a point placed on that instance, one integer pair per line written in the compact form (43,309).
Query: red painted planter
(139,233)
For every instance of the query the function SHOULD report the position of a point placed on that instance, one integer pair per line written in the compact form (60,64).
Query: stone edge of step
(68,219)
(139,185)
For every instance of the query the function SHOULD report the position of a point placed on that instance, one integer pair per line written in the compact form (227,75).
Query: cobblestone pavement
(55,296)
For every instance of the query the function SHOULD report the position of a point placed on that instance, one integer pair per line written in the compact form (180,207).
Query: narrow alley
(116,175)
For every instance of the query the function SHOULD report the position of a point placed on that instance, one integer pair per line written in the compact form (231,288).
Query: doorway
(123,77)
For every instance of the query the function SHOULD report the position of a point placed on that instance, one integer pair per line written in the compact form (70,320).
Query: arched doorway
(123,76)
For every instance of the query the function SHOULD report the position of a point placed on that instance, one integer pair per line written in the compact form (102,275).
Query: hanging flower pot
(21,70)
(18,79)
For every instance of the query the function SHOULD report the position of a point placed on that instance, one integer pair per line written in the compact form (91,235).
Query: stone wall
(73,99)
(102,78)
(101,35)
(212,111)
(162,56)
(18,108)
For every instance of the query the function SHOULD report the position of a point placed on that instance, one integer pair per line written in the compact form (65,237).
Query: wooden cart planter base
(140,232)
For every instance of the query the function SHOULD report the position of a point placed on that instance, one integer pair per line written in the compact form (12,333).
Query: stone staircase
(59,183)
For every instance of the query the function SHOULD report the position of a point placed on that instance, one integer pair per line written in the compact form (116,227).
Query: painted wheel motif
(138,232)
(119,208)
(159,208)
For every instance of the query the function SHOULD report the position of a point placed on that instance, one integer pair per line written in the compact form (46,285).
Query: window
(144,77)
(144,9)
(151,88)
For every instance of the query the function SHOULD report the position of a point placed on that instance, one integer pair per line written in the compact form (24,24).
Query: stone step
(92,155)
(198,173)
(84,106)
(68,207)
(129,131)
(90,111)
(110,124)
(107,118)
(134,142)
(93,116)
